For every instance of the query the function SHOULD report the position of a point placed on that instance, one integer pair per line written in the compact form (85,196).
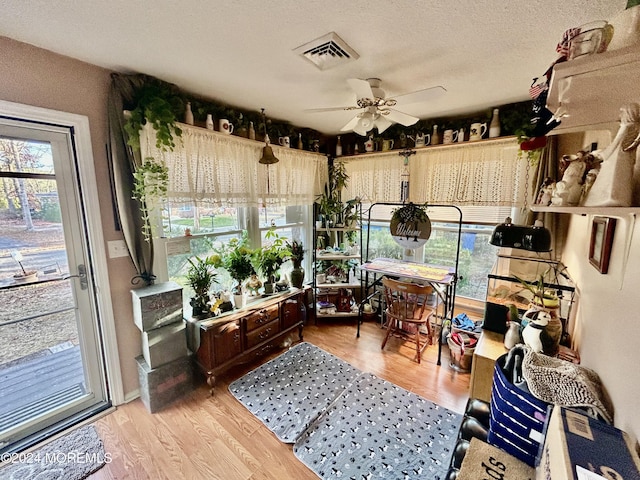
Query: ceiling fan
(377,111)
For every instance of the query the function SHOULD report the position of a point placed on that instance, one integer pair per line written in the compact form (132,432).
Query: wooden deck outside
(39,382)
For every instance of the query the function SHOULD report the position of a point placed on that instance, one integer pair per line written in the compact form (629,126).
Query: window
(476,258)
(211,227)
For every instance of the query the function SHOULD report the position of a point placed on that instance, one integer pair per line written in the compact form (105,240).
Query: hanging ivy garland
(150,185)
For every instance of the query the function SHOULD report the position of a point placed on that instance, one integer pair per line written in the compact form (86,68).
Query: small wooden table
(490,346)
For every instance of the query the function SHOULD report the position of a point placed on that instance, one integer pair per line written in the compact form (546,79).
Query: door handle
(82,275)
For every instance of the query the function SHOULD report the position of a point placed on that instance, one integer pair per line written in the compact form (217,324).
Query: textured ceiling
(241,52)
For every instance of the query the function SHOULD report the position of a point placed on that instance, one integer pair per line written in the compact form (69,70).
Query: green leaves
(155,103)
(150,185)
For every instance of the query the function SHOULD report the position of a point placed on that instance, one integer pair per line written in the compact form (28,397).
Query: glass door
(51,367)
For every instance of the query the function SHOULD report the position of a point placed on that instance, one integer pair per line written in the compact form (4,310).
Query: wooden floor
(215,437)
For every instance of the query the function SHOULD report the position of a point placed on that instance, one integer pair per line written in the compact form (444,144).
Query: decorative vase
(209,123)
(239,300)
(494,126)
(512,337)
(252,131)
(297,276)
(188,114)
(435,136)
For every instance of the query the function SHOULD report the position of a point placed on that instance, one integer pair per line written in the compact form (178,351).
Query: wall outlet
(117,248)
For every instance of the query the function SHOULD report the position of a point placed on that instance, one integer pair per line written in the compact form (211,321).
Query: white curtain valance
(213,168)
(480,173)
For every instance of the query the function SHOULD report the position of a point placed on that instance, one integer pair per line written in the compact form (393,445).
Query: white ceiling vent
(327,51)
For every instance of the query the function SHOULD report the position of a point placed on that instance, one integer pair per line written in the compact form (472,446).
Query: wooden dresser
(245,334)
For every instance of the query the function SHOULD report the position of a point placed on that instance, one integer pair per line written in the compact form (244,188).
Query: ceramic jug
(477,131)
(368,145)
(422,139)
(449,136)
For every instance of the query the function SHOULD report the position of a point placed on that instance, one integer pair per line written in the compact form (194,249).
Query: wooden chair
(407,311)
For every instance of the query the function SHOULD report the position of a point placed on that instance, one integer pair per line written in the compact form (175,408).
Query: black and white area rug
(292,390)
(369,429)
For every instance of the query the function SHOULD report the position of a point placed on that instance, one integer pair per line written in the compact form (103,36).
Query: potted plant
(350,213)
(297,255)
(236,258)
(200,277)
(330,208)
(269,258)
(25,275)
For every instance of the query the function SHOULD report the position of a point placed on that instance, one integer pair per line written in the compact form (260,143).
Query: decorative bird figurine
(535,334)
(512,337)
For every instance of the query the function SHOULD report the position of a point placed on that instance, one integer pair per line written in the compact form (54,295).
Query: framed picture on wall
(602,229)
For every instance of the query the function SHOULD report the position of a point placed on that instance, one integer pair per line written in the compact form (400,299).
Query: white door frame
(87,178)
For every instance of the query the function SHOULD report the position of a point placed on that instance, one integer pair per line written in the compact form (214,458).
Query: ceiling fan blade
(401,118)
(420,96)
(351,125)
(382,123)
(331,109)
(361,87)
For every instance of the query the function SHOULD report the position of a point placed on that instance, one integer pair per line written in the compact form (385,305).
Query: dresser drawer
(261,317)
(263,333)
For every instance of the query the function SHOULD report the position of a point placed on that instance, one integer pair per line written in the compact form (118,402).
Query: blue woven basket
(517,419)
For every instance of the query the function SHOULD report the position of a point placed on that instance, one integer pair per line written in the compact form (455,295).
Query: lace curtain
(482,173)
(208,167)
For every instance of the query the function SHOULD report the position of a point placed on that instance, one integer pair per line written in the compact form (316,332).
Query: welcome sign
(410,226)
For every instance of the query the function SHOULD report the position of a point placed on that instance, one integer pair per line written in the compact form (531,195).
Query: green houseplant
(297,255)
(236,258)
(200,276)
(150,185)
(269,258)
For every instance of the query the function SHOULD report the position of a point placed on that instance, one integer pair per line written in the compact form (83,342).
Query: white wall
(607,332)
(608,322)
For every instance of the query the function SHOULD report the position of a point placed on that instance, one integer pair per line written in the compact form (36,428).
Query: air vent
(327,51)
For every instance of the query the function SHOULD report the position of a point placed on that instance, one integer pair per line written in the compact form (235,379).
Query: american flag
(537,88)
(563,47)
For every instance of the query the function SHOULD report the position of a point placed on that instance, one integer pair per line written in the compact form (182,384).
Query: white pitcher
(477,131)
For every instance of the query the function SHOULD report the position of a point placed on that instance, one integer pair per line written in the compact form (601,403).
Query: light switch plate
(117,248)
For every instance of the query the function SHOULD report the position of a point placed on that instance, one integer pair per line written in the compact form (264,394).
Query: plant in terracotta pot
(297,255)
(24,275)
(269,258)
(200,276)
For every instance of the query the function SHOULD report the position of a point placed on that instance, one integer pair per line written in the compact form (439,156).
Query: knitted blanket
(564,383)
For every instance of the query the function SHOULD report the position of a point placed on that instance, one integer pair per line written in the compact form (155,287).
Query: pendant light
(534,238)
(268,157)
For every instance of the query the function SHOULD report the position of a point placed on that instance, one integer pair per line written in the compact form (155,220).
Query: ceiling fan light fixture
(366,121)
